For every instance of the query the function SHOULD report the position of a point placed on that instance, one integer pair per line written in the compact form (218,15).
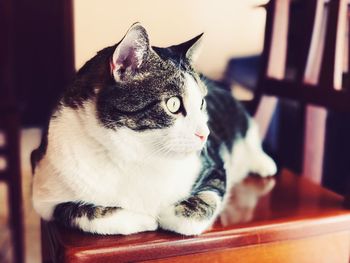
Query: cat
(140,142)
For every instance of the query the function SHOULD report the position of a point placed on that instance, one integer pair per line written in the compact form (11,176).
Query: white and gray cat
(139,142)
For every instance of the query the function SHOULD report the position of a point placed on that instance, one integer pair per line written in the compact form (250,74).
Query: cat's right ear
(130,53)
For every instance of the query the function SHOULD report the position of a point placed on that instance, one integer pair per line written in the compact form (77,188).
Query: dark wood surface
(334,247)
(294,209)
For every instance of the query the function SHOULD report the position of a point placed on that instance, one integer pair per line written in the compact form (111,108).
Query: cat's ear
(130,53)
(190,48)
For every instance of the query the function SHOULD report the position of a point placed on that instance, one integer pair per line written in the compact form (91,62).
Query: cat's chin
(182,154)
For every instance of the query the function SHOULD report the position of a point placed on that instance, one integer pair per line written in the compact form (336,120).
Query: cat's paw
(264,165)
(122,222)
(191,216)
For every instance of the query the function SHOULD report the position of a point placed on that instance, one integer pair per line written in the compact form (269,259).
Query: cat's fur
(115,160)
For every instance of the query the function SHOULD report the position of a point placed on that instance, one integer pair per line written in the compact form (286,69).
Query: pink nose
(201,137)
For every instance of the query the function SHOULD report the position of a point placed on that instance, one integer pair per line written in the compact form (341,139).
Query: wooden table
(296,221)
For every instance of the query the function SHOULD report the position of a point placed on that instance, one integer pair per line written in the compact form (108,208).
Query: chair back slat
(313,64)
(307,18)
(347,45)
(319,65)
(313,148)
(332,62)
(278,45)
(273,62)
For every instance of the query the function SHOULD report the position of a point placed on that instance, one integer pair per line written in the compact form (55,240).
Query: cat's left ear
(130,53)
(189,49)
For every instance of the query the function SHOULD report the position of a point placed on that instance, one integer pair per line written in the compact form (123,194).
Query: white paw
(168,220)
(264,165)
(192,217)
(142,223)
(122,222)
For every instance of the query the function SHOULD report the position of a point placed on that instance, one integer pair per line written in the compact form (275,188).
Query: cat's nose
(201,136)
(202,132)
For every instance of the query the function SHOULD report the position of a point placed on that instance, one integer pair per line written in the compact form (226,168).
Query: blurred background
(45,42)
(232,28)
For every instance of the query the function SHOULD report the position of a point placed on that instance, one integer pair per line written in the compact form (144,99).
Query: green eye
(173,104)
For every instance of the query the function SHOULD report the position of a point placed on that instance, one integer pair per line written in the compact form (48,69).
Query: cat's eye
(173,104)
(203,105)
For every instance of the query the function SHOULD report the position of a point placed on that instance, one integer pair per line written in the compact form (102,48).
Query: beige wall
(232,27)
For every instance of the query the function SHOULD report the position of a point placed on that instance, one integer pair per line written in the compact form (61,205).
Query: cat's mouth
(185,150)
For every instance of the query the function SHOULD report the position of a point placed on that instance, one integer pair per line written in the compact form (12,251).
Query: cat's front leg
(191,216)
(195,214)
(103,220)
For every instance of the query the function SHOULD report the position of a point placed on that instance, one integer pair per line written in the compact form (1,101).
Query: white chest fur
(109,171)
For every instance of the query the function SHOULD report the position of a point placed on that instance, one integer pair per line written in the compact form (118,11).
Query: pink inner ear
(126,57)
(130,53)
(111,66)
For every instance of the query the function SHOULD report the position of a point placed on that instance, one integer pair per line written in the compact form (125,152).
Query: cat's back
(227,117)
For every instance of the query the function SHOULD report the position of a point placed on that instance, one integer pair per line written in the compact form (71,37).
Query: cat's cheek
(199,145)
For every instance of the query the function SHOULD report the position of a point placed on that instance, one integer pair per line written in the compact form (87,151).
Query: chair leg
(15,187)
(45,253)
(16,223)
(347,202)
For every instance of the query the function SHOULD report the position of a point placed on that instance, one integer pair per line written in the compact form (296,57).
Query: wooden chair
(9,136)
(297,220)
(320,68)
(10,174)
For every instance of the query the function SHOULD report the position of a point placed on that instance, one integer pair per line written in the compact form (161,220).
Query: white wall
(232,27)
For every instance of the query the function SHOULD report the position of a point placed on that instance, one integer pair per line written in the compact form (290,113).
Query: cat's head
(153,93)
